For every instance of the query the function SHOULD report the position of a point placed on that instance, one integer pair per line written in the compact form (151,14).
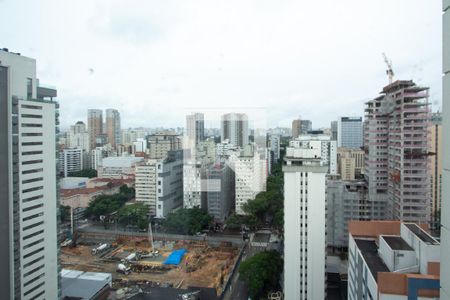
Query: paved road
(238,289)
(235,239)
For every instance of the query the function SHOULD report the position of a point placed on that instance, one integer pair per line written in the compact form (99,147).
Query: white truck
(99,249)
(121,268)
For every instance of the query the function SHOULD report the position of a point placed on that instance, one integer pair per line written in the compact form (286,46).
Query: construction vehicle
(121,268)
(99,249)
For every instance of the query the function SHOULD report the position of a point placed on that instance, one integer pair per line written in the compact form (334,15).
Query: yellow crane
(389,71)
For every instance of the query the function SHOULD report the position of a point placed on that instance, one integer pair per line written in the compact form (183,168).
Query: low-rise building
(85,285)
(82,196)
(392,260)
(118,167)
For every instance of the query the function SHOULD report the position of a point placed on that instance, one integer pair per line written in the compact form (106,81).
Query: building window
(29,88)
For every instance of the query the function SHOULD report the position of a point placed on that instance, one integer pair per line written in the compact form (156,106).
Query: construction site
(176,263)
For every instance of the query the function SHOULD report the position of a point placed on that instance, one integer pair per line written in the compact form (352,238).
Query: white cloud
(152,59)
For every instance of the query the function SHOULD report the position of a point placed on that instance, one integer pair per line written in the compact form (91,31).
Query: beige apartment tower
(113,127)
(350,163)
(95,126)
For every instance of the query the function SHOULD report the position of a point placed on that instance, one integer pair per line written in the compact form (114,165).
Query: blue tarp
(175,257)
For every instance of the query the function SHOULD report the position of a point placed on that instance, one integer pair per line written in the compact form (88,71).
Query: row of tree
(90,173)
(187,221)
(261,272)
(106,204)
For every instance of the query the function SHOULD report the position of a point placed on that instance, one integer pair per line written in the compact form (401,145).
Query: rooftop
(397,243)
(421,234)
(369,251)
(77,285)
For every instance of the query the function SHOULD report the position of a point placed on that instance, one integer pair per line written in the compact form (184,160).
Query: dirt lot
(202,265)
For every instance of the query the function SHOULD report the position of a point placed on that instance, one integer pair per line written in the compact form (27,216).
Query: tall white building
(234,127)
(159,184)
(194,175)
(225,148)
(146,184)
(195,128)
(350,132)
(250,176)
(445,211)
(170,184)
(128,136)
(28,186)
(274,141)
(70,160)
(306,164)
(78,136)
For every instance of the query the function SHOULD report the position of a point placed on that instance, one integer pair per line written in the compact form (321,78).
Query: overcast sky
(155,60)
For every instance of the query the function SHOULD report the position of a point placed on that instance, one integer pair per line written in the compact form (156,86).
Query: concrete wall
(6,275)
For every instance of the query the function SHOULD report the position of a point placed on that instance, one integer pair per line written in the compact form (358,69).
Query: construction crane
(389,71)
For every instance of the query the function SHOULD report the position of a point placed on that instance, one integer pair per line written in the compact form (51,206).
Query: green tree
(90,173)
(134,214)
(106,204)
(261,272)
(235,221)
(187,221)
(64,212)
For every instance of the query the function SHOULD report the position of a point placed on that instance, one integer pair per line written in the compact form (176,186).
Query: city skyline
(219,63)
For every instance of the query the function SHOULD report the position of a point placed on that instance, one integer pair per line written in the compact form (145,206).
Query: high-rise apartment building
(194,175)
(396,147)
(234,127)
(445,205)
(435,149)
(195,128)
(220,190)
(350,163)
(346,201)
(159,144)
(392,260)
(146,184)
(78,136)
(159,184)
(274,141)
(95,126)
(250,176)
(333,127)
(170,184)
(350,132)
(306,164)
(129,136)
(300,127)
(70,161)
(28,182)
(113,127)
